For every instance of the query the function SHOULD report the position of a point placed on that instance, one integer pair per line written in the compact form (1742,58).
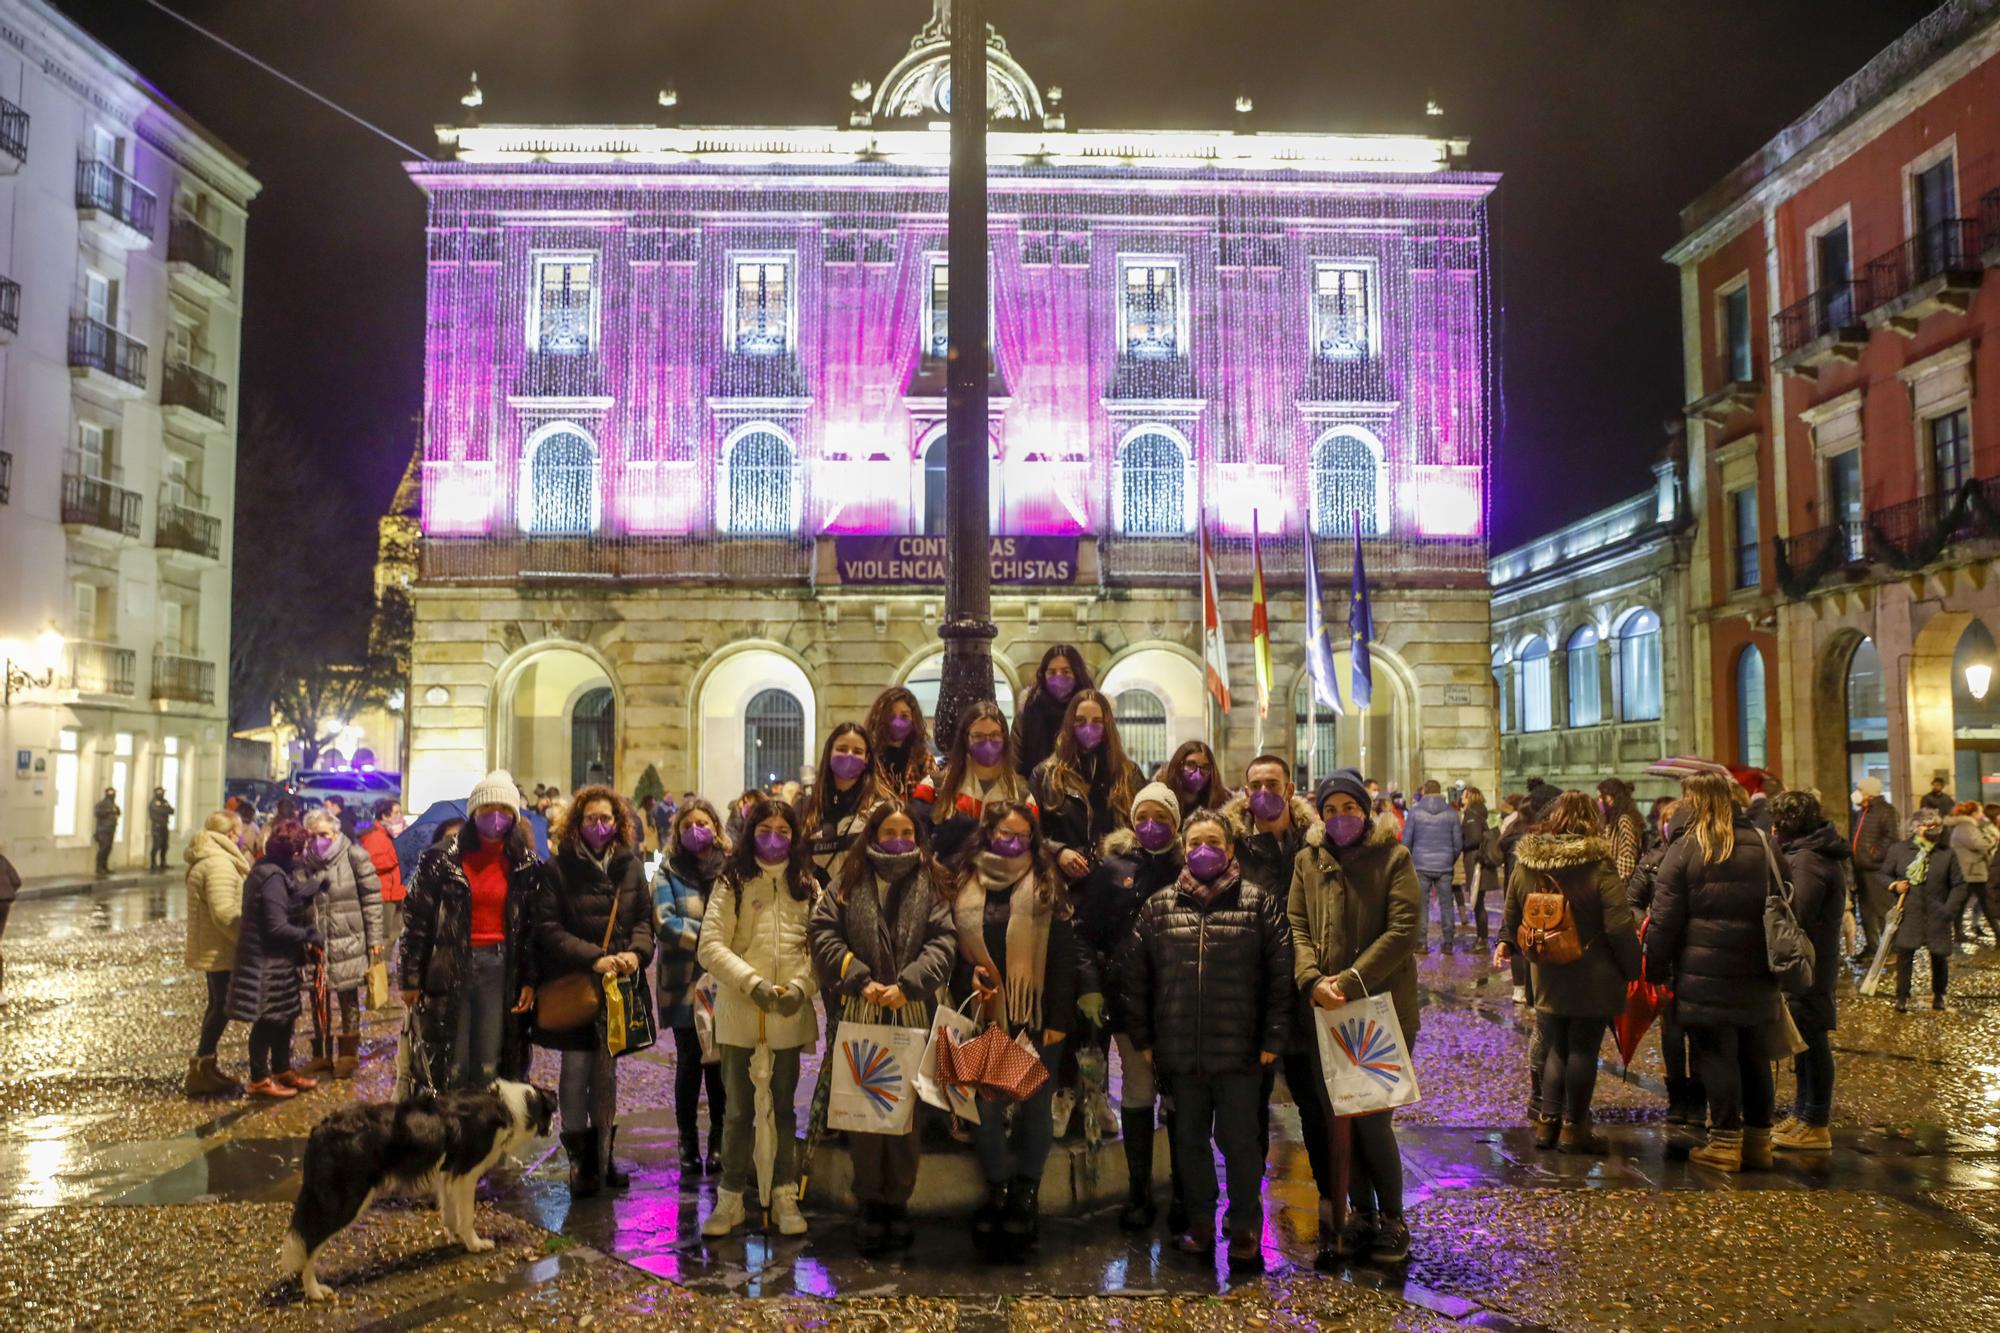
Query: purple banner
(1017,560)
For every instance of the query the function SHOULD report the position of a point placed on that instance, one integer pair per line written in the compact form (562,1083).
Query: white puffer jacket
(757,932)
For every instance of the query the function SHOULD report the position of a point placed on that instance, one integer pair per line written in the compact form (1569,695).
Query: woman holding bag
(753,939)
(883,941)
(591,919)
(687,876)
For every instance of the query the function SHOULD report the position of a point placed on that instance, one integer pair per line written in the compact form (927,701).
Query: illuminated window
(1638,664)
(560,498)
(1152,309)
(1747,569)
(1152,486)
(1346,480)
(170,776)
(1951,452)
(1750,742)
(762,297)
(760,486)
(1532,667)
(563,315)
(1341,312)
(938,311)
(1736,334)
(69,772)
(1586,700)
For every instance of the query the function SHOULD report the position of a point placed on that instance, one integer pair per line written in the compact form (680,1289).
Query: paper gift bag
(378,985)
(947,1024)
(704,1018)
(1366,1060)
(874,1066)
(626,1018)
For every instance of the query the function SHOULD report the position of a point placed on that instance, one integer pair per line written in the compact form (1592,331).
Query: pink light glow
(1449,500)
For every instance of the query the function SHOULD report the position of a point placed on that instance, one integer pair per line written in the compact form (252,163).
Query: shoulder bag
(1790,953)
(573,999)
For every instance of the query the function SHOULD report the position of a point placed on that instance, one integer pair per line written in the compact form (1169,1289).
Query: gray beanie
(496,788)
(1346,780)
(1159,791)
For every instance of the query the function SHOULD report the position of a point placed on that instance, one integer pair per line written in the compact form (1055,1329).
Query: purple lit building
(685,398)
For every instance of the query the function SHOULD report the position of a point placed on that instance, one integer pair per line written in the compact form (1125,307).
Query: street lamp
(31,665)
(1978,676)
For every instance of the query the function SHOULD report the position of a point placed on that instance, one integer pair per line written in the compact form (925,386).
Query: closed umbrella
(764,1152)
(1889,928)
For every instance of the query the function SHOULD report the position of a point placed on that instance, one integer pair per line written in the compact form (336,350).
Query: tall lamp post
(967,629)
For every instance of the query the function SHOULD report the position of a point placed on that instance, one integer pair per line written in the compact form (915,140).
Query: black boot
(584,1177)
(870,1233)
(896,1220)
(1022,1219)
(986,1221)
(613,1177)
(1138,1212)
(1677,1101)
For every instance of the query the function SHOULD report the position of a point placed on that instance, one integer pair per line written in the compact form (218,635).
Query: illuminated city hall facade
(682,470)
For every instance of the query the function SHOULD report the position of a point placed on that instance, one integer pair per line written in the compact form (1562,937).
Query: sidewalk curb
(64,887)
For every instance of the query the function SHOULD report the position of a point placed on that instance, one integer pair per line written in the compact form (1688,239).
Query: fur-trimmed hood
(1242,825)
(1381,832)
(1561,851)
(1124,842)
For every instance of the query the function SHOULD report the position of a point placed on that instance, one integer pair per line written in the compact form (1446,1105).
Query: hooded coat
(1267,858)
(216,869)
(567,917)
(1434,835)
(1820,862)
(437,948)
(1706,932)
(1934,900)
(349,908)
(381,849)
(1580,866)
(1108,906)
(276,925)
(1355,917)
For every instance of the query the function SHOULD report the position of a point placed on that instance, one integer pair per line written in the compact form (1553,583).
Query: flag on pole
(1214,653)
(1360,628)
(1260,621)
(1319,643)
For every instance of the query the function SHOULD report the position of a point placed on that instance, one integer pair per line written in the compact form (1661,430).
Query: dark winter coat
(106,813)
(437,945)
(1594,985)
(1060,968)
(159,814)
(680,897)
(1707,933)
(1356,917)
(1267,858)
(1037,722)
(1208,977)
(1471,827)
(1078,823)
(1819,863)
(1434,836)
(1875,832)
(907,940)
(567,914)
(1107,908)
(1933,902)
(275,928)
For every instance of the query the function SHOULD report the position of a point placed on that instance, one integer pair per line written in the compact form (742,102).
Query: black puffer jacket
(1707,933)
(1071,822)
(276,925)
(1877,829)
(437,948)
(567,915)
(1819,862)
(1108,903)
(1208,985)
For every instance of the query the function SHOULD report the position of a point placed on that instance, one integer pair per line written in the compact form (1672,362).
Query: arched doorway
(558,717)
(774,739)
(755,710)
(1866,709)
(1173,680)
(1975,716)
(592,732)
(1380,742)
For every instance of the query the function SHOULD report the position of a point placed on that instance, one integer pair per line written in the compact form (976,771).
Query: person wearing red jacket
(379,841)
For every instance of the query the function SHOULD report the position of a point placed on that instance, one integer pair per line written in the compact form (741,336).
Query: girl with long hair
(978,770)
(1038,714)
(900,740)
(1017,959)
(883,940)
(695,853)
(1194,778)
(1623,824)
(1086,785)
(753,938)
(848,787)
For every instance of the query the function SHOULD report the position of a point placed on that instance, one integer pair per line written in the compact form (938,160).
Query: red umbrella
(1643,1003)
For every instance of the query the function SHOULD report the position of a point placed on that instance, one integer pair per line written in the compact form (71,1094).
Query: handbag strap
(1779,889)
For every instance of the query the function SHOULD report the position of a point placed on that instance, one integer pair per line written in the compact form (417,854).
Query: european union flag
(1360,629)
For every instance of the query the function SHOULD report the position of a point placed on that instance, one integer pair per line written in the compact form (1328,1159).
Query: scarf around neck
(1028,922)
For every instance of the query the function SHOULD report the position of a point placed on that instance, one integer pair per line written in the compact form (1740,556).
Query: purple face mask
(1346,830)
(1206,862)
(1089,735)
(1154,834)
(773,846)
(1059,687)
(1267,804)
(897,846)
(900,728)
(1006,844)
(322,846)
(1194,780)
(598,833)
(987,753)
(493,825)
(846,766)
(697,838)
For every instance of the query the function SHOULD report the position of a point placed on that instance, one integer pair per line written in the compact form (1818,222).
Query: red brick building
(1837,290)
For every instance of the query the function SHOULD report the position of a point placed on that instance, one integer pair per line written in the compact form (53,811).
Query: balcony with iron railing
(10,308)
(1893,540)
(1939,268)
(181,679)
(13,136)
(100,668)
(200,257)
(1825,327)
(187,393)
(185,525)
(1807,559)
(97,348)
(93,502)
(107,196)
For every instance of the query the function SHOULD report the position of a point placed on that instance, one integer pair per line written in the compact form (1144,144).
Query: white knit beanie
(1161,792)
(496,788)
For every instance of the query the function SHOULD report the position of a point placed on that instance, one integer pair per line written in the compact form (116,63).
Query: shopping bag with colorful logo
(874,1073)
(948,1027)
(1366,1060)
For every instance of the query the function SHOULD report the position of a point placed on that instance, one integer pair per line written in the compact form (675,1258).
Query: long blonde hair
(1710,814)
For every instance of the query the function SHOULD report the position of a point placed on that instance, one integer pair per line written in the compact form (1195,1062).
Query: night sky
(1605,116)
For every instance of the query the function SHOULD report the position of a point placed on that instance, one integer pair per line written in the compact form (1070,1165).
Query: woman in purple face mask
(681,889)
(1038,715)
(1085,788)
(348,910)
(848,787)
(1194,779)
(977,772)
(1356,911)
(1209,1000)
(883,941)
(594,914)
(753,938)
(899,739)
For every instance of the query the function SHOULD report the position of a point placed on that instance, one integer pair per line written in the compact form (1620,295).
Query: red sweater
(486,872)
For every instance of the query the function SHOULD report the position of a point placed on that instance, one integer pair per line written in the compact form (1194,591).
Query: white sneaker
(728,1214)
(1520,995)
(785,1211)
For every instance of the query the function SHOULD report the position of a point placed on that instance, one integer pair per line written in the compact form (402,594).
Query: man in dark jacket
(1269,821)
(1435,837)
(1937,798)
(159,815)
(1818,858)
(106,832)
(1875,829)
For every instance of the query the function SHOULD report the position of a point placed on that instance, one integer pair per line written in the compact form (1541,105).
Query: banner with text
(1018,560)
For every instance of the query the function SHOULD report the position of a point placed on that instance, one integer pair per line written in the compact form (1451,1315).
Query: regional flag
(1214,653)
(1360,628)
(1319,643)
(1260,621)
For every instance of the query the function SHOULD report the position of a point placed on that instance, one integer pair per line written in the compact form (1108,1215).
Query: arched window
(1751,750)
(1532,668)
(1142,726)
(774,738)
(1152,486)
(934,486)
(1503,701)
(1638,667)
(591,729)
(560,499)
(761,490)
(1867,717)
(1586,700)
(1346,479)
(1310,716)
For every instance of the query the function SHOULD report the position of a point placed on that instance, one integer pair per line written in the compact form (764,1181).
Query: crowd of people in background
(1183,922)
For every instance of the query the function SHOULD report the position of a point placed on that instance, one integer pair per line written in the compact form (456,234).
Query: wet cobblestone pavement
(123,1205)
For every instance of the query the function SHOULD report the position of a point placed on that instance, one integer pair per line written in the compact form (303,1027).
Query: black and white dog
(443,1142)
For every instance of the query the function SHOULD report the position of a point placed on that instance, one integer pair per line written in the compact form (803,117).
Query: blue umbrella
(423,831)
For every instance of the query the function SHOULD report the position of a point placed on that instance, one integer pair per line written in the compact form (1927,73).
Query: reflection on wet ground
(99,1015)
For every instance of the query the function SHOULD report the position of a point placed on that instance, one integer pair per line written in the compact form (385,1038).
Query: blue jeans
(1034,1129)
(481,1019)
(1438,885)
(1227,1104)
